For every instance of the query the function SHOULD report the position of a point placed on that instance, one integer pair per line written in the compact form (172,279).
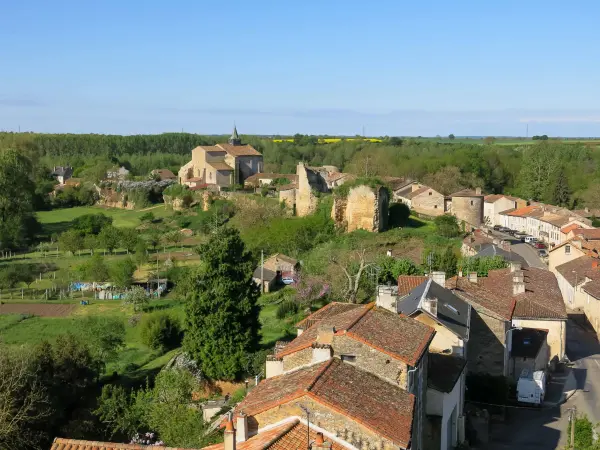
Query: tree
(137,297)
(153,236)
(392,268)
(557,191)
(451,136)
(71,241)
(160,332)
(24,401)
(353,274)
(221,312)
(174,237)
(104,335)
(141,253)
(448,262)
(399,214)
(121,272)
(147,217)
(10,276)
(93,269)
(91,223)
(110,238)
(17,222)
(91,243)
(489,140)
(447,180)
(129,239)
(447,226)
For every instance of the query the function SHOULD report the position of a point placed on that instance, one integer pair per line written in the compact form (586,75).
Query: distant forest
(556,172)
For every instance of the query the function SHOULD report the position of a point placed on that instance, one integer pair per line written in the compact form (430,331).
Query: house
(290,433)
(117,174)
(62,173)
(529,350)
(588,213)
(494,204)
(222,165)
(163,174)
(275,268)
(516,297)
(426,201)
(426,300)
(266,179)
(382,355)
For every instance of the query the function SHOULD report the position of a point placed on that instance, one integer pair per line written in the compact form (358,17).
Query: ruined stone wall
(468,210)
(297,359)
(338,211)
(288,197)
(306,201)
(371,360)
(332,421)
(485,349)
(361,209)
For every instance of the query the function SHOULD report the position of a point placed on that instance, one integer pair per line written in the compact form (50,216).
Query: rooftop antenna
(527,132)
(307,412)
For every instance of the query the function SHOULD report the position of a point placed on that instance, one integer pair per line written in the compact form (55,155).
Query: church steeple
(235,139)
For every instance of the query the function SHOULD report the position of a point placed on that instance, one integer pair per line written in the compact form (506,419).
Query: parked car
(529,239)
(539,245)
(497,227)
(543,253)
(531,387)
(512,232)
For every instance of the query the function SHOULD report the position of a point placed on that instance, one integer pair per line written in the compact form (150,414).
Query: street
(526,251)
(545,428)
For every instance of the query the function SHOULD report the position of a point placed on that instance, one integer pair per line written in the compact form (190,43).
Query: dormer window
(567,249)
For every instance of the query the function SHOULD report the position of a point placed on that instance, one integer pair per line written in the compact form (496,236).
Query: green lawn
(121,217)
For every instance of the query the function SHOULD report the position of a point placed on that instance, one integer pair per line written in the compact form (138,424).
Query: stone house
(365,208)
(494,204)
(373,341)
(529,350)
(515,297)
(163,174)
(434,305)
(62,173)
(426,201)
(275,268)
(222,165)
(118,174)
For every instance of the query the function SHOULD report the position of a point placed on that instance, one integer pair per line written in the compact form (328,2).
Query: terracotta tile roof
(165,174)
(220,166)
(492,198)
(290,435)
(467,193)
(274,262)
(542,298)
(209,148)
(419,191)
(406,283)
(592,288)
(555,219)
(384,408)
(397,336)
(239,150)
(576,270)
(396,183)
(569,228)
(523,212)
(73,444)
(194,179)
(591,234)
(587,213)
(326,312)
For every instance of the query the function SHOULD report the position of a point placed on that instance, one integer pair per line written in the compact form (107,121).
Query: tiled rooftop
(384,408)
(569,228)
(73,444)
(406,283)
(590,234)
(397,336)
(524,212)
(542,298)
(576,270)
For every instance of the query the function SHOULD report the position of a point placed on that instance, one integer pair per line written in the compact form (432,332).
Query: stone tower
(235,139)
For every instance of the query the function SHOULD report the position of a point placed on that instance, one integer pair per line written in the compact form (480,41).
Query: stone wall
(306,201)
(371,360)
(365,208)
(431,203)
(444,339)
(297,359)
(288,197)
(334,422)
(338,211)
(485,350)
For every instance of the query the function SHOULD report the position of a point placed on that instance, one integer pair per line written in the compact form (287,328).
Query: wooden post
(573,419)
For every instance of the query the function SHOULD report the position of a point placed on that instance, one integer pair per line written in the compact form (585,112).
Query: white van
(531,387)
(530,239)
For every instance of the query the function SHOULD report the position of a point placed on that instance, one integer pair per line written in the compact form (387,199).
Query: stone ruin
(365,208)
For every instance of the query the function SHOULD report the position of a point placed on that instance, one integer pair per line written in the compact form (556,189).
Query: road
(526,251)
(546,428)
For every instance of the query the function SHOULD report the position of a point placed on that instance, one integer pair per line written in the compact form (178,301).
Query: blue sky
(313,66)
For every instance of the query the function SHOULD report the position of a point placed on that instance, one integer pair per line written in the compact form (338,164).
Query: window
(434,206)
(471,202)
(567,249)
(429,192)
(210,175)
(348,358)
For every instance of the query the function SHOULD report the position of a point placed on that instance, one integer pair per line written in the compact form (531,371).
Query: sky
(396,68)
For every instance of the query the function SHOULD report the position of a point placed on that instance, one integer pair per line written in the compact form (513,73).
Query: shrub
(447,226)
(286,308)
(161,332)
(399,214)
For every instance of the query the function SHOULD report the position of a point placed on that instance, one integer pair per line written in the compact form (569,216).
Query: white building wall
(449,407)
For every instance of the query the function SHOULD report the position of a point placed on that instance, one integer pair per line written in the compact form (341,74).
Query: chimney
(478,191)
(320,444)
(472,277)
(515,266)
(518,276)
(229,441)
(439,278)
(518,288)
(274,366)
(241,433)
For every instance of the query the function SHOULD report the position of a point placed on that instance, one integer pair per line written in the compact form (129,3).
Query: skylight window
(452,308)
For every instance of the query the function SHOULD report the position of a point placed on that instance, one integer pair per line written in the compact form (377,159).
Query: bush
(161,332)
(447,226)
(286,308)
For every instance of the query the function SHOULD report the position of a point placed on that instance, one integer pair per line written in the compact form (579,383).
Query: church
(221,165)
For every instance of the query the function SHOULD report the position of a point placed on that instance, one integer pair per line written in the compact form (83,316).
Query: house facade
(496,203)
(221,165)
(62,173)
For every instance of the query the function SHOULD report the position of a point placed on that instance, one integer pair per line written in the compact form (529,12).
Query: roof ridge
(289,427)
(368,308)
(319,374)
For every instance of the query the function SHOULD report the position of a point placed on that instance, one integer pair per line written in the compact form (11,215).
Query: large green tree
(558,191)
(222,315)
(17,222)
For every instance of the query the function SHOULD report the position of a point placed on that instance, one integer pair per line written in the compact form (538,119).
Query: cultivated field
(37,309)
